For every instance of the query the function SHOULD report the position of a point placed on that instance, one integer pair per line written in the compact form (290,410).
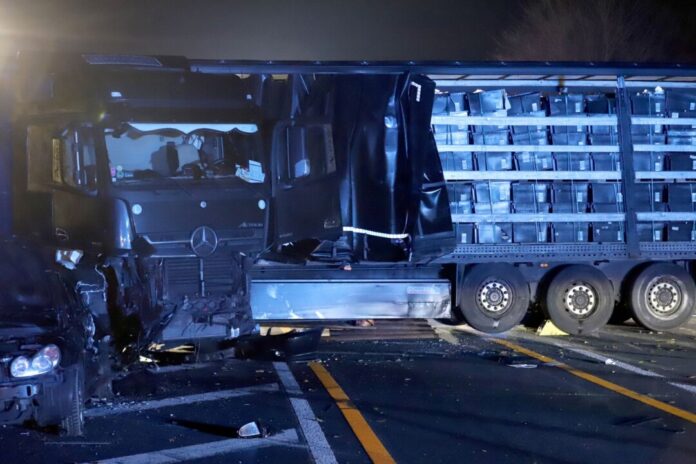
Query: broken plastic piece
(549,329)
(250,430)
(69,258)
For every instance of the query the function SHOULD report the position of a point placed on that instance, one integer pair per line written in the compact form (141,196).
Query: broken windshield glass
(142,151)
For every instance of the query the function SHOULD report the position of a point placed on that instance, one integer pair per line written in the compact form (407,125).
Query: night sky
(295,29)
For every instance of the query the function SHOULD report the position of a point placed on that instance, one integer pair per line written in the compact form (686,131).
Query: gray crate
(651,231)
(565,161)
(530,233)
(494,233)
(608,232)
(681,231)
(570,232)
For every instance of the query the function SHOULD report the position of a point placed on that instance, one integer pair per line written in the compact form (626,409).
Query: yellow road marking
(373,447)
(686,415)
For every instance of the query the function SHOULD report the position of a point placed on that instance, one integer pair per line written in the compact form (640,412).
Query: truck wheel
(579,299)
(493,297)
(74,423)
(662,296)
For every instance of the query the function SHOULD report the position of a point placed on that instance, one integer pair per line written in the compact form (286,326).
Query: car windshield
(146,151)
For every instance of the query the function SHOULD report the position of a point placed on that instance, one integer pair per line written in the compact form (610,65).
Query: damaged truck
(193,199)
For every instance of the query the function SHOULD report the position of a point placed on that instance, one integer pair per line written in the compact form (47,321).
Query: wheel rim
(580,299)
(663,297)
(494,297)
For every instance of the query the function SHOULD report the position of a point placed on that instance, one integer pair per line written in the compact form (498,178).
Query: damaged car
(46,343)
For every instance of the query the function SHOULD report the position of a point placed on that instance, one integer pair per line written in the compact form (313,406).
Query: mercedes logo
(204,241)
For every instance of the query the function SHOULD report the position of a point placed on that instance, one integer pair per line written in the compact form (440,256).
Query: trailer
(196,198)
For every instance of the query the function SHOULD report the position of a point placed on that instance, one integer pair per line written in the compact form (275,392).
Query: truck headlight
(42,362)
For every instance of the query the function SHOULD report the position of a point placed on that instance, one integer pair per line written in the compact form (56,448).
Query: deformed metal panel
(349,299)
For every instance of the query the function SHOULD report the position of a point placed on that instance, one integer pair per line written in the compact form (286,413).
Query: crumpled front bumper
(20,400)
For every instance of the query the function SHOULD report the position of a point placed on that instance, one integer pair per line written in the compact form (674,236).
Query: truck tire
(662,296)
(579,299)
(493,298)
(74,423)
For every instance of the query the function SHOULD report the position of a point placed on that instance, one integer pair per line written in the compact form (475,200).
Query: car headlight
(42,362)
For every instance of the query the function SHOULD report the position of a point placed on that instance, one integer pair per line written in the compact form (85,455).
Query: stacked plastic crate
(461,195)
(666,192)
(530,197)
(492,197)
(492,201)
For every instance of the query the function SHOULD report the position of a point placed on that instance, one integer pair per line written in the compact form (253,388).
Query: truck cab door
(305,182)
(76,210)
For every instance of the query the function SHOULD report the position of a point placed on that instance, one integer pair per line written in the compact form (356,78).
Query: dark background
(619,30)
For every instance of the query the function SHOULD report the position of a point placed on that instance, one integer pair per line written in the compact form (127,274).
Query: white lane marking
(205,450)
(318,444)
(180,400)
(604,359)
(589,354)
(684,386)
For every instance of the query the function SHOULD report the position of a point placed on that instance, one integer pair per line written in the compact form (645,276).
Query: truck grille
(182,276)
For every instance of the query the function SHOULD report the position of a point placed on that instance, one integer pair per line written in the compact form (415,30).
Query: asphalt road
(621,396)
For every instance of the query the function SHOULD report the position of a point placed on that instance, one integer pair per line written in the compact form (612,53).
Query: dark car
(46,337)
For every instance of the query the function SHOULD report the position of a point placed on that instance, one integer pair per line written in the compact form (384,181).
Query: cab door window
(77,159)
(61,157)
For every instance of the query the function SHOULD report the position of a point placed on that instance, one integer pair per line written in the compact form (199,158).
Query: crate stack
(563,189)
(669,172)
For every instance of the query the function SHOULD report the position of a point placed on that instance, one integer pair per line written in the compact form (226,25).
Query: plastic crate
(461,198)
(600,104)
(681,197)
(494,161)
(568,136)
(531,128)
(498,207)
(565,105)
(447,103)
(607,232)
(526,103)
(606,161)
(682,161)
(649,161)
(530,233)
(464,233)
(494,233)
(497,191)
(457,161)
(682,231)
(485,103)
(651,231)
(649,197)
(681,104)
(572,161)
(534,161)
(644,135)
(570,232)
(648,104)
(606,192)
(536,137)
(681,137)
(497,137)
(609,138)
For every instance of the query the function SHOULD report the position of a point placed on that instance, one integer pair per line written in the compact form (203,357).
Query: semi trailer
(195,198)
